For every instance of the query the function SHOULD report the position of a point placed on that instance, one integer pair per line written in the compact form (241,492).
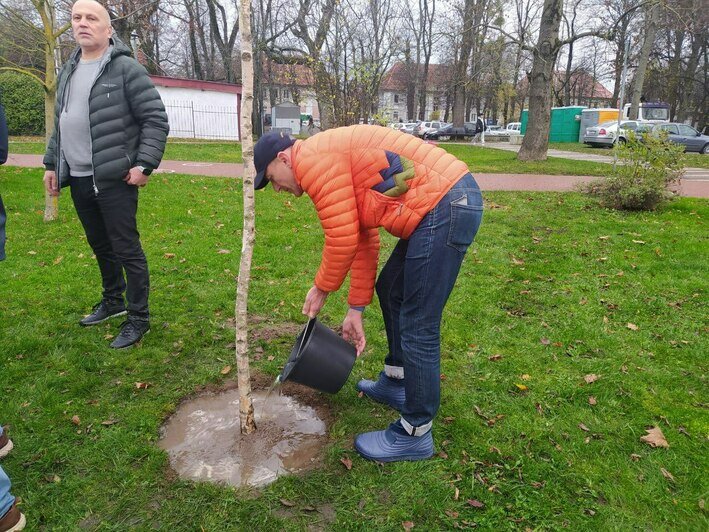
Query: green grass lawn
(553,290)
(495,161)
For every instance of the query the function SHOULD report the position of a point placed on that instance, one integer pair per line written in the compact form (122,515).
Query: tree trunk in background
(462,67)
(225,40)
(653,16)
(536,139)
(47,13)
(246,407)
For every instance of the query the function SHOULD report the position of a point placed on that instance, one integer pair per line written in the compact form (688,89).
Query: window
(671,129)
(687,131)
(396,115)
(396,98)
(286,94)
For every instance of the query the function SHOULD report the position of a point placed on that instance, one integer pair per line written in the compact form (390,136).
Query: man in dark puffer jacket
(109,134)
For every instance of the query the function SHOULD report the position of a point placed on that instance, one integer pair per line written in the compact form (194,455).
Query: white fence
(195,121)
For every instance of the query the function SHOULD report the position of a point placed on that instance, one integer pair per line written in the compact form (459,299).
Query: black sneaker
(132,330)
(101,312)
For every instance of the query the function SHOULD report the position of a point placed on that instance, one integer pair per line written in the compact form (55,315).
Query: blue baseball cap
(265,151)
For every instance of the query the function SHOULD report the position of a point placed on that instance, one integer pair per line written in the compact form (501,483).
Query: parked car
(606,134)
(448,132)
(514,127)
(424,127)
(496,131)
(409,127)
(690,138)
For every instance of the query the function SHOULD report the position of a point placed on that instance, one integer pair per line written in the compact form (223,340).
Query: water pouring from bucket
(320,359)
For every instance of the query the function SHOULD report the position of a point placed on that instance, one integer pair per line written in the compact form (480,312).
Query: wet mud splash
(204,442)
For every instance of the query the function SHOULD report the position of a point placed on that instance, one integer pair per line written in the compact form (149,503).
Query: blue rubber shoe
(394,445)
(385,390)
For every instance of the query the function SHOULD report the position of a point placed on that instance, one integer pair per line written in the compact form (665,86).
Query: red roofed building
(585,90)
(289,83)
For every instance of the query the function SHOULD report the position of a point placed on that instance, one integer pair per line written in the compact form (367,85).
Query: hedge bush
(23,99)
(646,168)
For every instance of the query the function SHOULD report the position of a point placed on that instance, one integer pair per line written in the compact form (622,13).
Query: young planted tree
(246,407)
(48,30)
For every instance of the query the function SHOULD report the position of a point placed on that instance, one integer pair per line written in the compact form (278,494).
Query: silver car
(606,134)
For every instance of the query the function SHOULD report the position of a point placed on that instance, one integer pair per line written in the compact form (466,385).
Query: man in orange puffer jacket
(361,178)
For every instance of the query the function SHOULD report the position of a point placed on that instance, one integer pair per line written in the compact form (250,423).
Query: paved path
(529,182)
(689,174)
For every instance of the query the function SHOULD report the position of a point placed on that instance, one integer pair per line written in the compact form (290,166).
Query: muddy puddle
(204,443)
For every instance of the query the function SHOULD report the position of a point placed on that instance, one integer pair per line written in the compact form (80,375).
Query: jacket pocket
(465,222)
(377,209)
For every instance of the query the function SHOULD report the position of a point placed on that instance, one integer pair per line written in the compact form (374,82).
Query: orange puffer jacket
(338,168)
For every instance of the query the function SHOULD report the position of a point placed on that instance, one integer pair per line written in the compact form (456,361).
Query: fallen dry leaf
(495,358)
(286,502)
(224,251)
(655,438)
(592,401)
(109,422)
(521,387)
(475,503)
(517,261)
(408,525)
(525,377)
(638,241)
(667,474)
(225,370)
(635,457)
(584,427)
(142,385)
(169,256)
(591,378)
(58,260)
(271,358)
(76,420)
(346,462)
(632,326)
(456,495)
(545,341)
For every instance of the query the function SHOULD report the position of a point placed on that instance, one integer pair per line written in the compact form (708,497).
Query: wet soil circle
(204,442)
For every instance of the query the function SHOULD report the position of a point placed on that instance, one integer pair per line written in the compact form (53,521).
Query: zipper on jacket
(91,138)
(401,206)
(62,100)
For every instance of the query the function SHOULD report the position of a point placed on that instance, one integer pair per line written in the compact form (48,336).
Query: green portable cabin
(565,123)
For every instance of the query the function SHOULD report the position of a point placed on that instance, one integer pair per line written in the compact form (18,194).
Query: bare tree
(224,38)
(44,24)
(246,407)
(652,20)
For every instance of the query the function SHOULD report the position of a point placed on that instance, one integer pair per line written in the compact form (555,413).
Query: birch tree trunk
(246,407)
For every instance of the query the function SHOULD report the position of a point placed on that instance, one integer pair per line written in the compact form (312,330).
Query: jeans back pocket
(466,216)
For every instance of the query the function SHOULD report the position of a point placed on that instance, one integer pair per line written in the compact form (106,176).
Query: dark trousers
(109,220)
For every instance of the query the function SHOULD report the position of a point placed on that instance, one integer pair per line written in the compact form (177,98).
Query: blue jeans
(6,500)
(413,288)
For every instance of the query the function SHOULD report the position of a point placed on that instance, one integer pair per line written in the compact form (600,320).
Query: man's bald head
(92,27)
(100,10)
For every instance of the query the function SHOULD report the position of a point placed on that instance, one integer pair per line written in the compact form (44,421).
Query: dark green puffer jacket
(127,117)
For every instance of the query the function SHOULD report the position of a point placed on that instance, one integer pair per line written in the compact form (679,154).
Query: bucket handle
(308,328)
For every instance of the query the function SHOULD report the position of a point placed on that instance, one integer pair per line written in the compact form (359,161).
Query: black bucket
(320,359)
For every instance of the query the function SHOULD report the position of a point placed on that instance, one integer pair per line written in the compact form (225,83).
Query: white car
(496,131)
(514,127)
